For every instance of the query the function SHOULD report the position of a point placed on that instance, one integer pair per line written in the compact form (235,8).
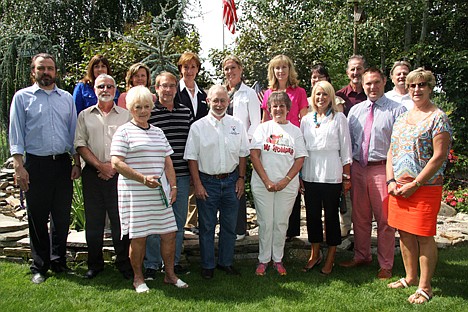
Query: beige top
(95,129)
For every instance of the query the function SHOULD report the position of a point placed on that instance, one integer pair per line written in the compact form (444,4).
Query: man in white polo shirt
(216,145)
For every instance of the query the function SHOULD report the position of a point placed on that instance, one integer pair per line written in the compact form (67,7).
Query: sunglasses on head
(420,85)
(102,86)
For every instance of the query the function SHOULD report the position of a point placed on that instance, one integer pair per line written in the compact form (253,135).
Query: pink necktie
(366,136)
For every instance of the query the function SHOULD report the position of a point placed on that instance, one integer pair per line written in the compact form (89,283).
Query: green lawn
(345,290)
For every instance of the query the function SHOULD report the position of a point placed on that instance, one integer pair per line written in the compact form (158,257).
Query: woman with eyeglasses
(319,72)
(416,161)
(399,93)
(137,75)
(146,187)
(83,94)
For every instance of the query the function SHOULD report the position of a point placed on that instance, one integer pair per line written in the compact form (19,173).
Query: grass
(345,290)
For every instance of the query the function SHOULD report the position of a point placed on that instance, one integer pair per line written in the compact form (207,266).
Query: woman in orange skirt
(416,160)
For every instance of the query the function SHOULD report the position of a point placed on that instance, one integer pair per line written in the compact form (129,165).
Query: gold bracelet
(174,187)
(144,180)
(287,177)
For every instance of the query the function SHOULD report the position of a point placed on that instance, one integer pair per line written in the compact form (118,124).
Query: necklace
(318,123)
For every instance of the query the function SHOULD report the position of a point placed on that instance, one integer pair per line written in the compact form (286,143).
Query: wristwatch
(390,181)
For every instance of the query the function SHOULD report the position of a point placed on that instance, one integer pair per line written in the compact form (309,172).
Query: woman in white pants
(277,152)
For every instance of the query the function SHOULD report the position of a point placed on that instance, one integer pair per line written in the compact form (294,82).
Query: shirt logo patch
(234,130)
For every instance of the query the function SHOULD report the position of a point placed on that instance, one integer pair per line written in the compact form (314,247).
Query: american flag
(258,88)
(230,15)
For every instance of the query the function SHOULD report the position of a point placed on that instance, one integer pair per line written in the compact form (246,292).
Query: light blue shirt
(385,113)
(42,124)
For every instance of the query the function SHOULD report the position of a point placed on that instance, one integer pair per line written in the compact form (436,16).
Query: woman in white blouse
(325,172)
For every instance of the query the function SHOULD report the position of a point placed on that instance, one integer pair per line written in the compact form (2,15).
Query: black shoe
(180,270)
(58,267)
(92,273)
(228,269)
(207,273)
(38,278)
(150,274)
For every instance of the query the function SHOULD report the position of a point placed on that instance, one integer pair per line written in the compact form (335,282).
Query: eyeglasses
(216,100)
(420,85)
(167,86)
(102,86)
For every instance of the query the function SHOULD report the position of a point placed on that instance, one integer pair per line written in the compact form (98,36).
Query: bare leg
(315,257)
(330,261)
(137,254)
(410,253)
(168,254)
(427,262)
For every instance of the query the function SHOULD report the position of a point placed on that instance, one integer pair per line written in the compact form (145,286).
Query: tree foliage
(155,41)
(428,33)
(66,23)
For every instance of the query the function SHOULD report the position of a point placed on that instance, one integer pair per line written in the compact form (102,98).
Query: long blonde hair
(292,77)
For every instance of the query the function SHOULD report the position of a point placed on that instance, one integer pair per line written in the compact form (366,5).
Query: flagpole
(222,23)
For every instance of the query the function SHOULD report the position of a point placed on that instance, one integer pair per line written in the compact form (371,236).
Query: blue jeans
(153,258)
(222,197)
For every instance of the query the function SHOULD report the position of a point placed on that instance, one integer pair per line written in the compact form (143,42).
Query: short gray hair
(104,76)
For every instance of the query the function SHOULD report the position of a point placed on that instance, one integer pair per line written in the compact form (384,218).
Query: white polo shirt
(217,144)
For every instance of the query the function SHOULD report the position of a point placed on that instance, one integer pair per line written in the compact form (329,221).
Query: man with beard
(174,119)
(216,145)
(352,94)
(94,131)
(42,126)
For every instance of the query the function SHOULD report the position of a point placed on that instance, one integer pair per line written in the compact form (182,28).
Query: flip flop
(179,283)
(420,294)
(401,283)
(142,288)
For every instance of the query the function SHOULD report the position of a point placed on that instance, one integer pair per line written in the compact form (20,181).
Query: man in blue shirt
(42,126)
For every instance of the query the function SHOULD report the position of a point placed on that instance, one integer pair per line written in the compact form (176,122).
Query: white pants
(273,210)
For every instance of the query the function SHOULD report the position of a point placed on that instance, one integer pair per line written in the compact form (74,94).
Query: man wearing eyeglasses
(174,119)
(370,125)
(216,145)
(42,126)
(95,127)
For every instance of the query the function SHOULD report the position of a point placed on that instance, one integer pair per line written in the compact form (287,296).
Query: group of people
(141,155)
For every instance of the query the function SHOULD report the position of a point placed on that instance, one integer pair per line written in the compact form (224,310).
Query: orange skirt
(418,213)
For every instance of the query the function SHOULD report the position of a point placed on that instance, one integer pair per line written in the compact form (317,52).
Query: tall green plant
(78,220)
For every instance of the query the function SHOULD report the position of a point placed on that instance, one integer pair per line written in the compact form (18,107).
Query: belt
(374,163)
(50,157)
(220,176)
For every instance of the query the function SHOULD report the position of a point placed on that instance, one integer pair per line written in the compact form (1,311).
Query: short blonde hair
(328,88)
(139,94)
(421,74)
(292,77)
(133,70)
